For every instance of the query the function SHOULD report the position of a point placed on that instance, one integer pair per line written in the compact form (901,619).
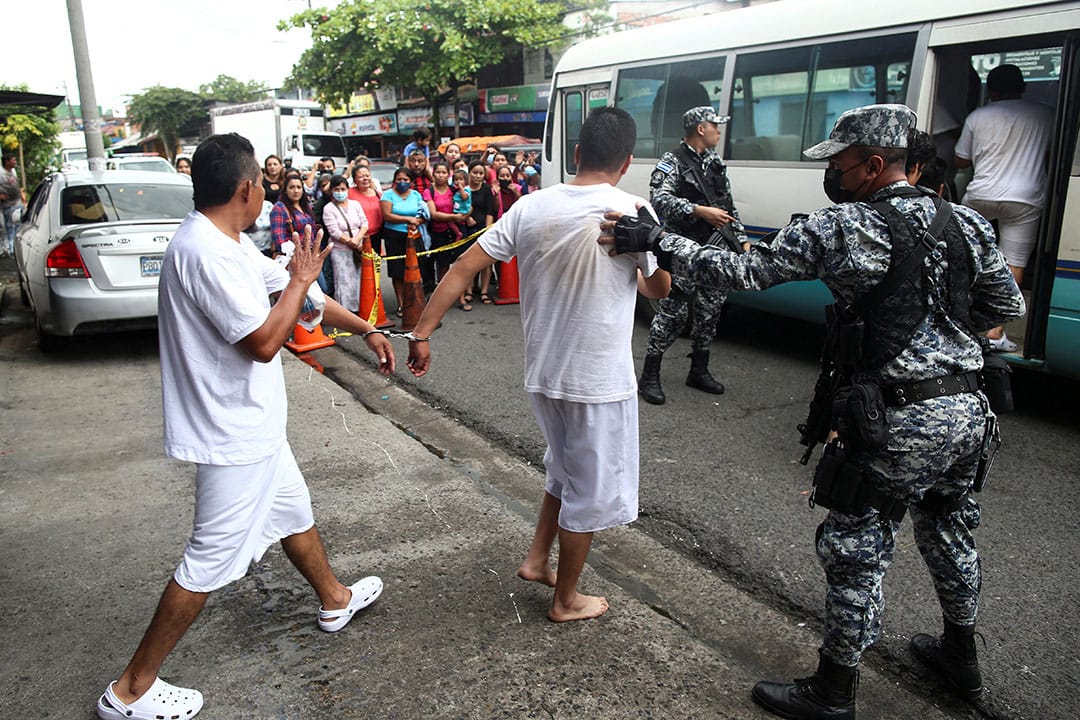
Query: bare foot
(583,608)
(542,574)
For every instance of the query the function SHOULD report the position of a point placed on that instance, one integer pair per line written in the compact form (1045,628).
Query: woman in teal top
(401,213)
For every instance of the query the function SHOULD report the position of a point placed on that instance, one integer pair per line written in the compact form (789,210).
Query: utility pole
(95,146)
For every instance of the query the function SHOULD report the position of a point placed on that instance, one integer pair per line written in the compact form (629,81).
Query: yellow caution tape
(444,248)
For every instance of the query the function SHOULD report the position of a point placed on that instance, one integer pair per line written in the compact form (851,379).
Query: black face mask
(831,184)
(504,183)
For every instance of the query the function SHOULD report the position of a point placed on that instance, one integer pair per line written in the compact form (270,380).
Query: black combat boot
(953,656)
(699,376)
(649,383)
(828,695)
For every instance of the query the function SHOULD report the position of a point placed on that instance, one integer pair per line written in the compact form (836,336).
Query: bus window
(854,73)
(787,100)
(658,95)
(768,104)
(572,121)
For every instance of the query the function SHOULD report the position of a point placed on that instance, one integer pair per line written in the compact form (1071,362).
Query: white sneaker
(1003,344)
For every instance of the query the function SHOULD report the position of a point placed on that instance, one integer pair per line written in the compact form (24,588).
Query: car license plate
(150,266)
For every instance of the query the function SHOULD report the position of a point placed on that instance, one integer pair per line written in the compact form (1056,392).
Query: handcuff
(396,334)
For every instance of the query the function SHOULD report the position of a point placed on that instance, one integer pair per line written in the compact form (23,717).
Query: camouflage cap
(883,126)
(703,113)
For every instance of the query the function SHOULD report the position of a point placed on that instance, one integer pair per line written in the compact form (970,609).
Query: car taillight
(64,261)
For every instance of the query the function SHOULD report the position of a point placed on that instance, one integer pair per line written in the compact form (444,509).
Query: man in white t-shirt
(577,310)
(223,396)
(1007,142)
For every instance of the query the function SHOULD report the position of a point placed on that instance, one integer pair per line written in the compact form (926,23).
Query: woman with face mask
(440,202)
(401,213)
(347,226)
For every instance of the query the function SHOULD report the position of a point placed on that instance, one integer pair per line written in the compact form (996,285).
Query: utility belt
(900,394)
(858,409)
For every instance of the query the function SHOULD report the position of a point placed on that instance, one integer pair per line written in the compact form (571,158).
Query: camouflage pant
(932,445)
(671,317)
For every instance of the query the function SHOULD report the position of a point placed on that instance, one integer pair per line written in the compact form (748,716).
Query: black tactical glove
(640,234)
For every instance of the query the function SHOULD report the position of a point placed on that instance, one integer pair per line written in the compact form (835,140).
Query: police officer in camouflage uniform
(677,194)
(922,351)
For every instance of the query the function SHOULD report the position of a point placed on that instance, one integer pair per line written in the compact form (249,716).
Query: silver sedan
(90,246)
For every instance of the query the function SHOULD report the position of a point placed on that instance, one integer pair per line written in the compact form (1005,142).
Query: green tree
(434,46)
(170,112)
(31,133)
(227,89)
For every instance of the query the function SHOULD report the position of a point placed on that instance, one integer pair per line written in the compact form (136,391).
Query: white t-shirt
(1007,142)
(577,302)
(222,407)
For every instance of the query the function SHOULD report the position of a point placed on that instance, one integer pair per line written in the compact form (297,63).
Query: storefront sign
(411,118)
(516,98)
(514,117)
(465,115)
(387,98)
(378,124)
(358,103)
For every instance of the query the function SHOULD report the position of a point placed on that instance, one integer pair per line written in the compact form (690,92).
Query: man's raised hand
(307,260)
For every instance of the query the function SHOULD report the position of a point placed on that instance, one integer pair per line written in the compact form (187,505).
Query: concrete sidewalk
(96,519)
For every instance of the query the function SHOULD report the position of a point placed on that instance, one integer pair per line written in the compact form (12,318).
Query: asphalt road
(721,482)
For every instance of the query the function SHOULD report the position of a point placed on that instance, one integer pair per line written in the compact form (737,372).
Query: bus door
(569,108)
(960,58)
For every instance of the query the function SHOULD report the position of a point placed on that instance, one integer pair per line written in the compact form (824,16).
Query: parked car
(90,246)
(150,163)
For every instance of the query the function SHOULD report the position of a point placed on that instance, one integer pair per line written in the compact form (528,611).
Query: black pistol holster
(841,486)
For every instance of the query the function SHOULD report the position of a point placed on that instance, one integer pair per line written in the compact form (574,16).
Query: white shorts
(1018,227)
(240,511)
(591,460)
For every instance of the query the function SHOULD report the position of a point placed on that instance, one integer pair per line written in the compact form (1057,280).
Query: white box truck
(287,128)
(73,155)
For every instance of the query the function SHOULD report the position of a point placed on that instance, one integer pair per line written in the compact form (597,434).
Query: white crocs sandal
(1003,344)
(161,702)
(364,593)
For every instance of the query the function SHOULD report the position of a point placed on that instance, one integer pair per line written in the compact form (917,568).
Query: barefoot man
(577,310)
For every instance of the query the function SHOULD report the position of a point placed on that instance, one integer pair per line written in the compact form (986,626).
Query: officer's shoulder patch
(657,177)
(664,166)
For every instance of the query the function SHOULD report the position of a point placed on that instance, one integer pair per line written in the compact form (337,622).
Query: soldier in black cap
(691,192)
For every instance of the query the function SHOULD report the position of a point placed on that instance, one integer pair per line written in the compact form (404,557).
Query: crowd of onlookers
(441,200)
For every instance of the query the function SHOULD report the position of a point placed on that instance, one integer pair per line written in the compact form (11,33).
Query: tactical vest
(891,325)
(697,228)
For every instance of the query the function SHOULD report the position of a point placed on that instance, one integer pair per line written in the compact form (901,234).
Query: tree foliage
(31,133)
(170,112)
(430,45)
(227,89)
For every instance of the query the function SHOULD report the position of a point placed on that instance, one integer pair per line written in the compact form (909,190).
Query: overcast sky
(135,44)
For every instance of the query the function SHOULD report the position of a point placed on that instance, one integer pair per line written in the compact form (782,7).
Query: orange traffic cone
(508,283)
(305,341)
(413,302)
(371,304)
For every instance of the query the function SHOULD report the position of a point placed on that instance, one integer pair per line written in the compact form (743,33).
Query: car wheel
(47,343)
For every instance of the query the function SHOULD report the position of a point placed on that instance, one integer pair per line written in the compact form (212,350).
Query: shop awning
(479,143)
